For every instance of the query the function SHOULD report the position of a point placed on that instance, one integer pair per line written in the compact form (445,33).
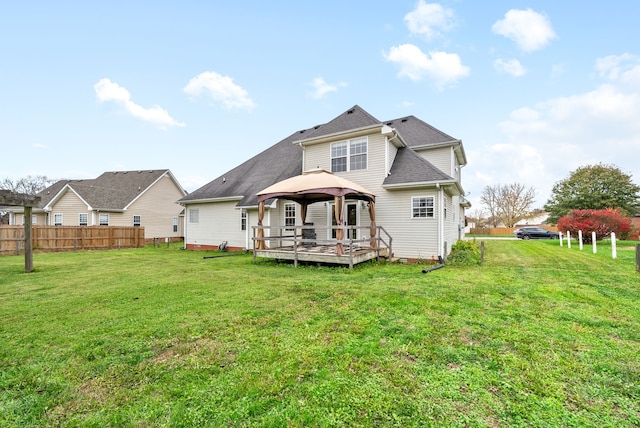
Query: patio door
(350,219)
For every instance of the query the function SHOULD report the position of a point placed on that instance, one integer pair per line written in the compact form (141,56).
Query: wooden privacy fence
(504,230)
(71,238)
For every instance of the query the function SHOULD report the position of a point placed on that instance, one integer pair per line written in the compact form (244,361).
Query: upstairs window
(103,220)
(349,155)
(83,219)
(137,221)
(422,207)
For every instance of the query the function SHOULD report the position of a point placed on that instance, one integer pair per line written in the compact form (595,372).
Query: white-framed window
(243,220)
(57,219)
(422,207)
(290,215)
(137,221)
(83,219)
(194,215)
(349,155)
(175,224)
(103,219)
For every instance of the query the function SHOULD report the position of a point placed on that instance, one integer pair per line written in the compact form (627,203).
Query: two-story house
(145,198)
(413,169)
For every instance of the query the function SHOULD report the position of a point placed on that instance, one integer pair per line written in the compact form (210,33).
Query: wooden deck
(325,254)
(300,244)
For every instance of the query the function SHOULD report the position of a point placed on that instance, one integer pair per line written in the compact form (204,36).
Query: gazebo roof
(315,186)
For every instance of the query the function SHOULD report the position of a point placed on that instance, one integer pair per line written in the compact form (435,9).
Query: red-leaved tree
(602,222)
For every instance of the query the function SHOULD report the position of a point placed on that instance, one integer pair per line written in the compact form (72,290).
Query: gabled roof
(110,191)
(284,159)
(354,118)
(417,133)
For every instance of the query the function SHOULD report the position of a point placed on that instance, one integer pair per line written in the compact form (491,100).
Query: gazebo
(318,186)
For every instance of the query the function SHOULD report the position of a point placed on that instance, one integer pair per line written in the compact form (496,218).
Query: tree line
(595,192)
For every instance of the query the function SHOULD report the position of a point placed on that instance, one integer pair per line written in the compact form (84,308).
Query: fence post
(593,239)
(580,239)
(560,237)
(568,239)
(614,252)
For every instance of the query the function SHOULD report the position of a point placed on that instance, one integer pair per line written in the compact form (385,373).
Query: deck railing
(300,236)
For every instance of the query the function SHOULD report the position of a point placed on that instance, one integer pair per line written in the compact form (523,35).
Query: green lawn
(537,336)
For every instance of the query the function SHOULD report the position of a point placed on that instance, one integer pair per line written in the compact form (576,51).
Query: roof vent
(389,123)
(404,120)
(350,111)
(302,132)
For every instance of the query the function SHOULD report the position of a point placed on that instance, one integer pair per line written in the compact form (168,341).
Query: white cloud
(220,88)
(106,90)
(442,68)
(429,19)
(543,143)
(511,66)
(529,29)
(39,146)
(321,88)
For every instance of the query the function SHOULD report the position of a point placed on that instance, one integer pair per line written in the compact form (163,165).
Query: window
(422,207)
(175,224)
(83,219)
(243,220)
(57,219)
(137,221)
(338,157)
(104,220)
(194,216)
(354,150)
(289,215)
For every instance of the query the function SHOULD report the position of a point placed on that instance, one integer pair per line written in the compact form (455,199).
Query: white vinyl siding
(218,222)
(441,158)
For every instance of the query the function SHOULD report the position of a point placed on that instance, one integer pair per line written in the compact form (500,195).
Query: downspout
(440,220)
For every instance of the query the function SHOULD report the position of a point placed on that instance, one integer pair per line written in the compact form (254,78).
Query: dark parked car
(535,233)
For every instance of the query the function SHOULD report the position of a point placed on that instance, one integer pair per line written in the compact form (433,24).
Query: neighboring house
(413,169)
(119,198)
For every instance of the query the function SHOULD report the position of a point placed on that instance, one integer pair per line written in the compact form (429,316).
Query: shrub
(602,222)
(464,253)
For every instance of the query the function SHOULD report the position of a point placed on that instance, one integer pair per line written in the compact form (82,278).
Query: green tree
(594,187)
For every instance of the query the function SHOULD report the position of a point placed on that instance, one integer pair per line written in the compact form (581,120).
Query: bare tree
(29,184)
(508,203)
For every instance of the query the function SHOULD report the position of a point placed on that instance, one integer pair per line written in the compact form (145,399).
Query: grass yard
(537,336)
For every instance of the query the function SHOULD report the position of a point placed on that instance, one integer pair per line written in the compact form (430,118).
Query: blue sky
(533,89)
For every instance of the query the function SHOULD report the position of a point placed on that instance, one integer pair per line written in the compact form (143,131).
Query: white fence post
(593,240)
(568,239)
(614,253)
(580,239)
(560,236)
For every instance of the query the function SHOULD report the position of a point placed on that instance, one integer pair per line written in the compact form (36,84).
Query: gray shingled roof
(278,162)
(110,191)
(417,133)
(284,159)
(410,167)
